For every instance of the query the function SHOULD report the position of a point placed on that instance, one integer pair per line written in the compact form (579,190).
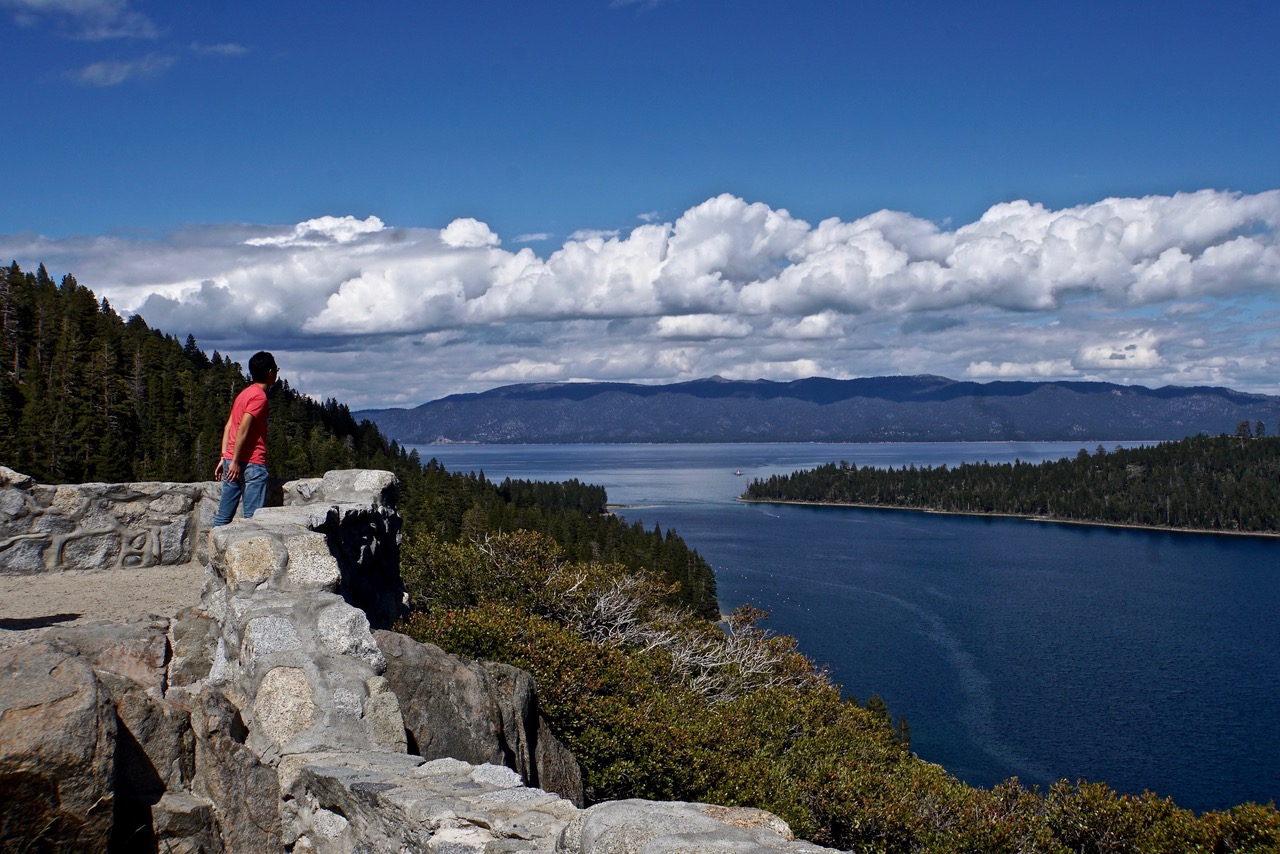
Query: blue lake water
(1148,660)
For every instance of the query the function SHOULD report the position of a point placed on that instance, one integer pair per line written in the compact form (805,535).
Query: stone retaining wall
(100,525)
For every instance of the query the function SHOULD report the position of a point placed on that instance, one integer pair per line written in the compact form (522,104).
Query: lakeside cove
(987,634)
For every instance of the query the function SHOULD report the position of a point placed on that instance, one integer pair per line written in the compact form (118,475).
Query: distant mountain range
(874,409)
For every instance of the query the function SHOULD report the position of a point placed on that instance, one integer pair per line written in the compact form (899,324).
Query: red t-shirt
(253,400)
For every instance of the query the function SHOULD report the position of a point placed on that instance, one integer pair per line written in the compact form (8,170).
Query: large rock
(385,802)
(345,486)
(554,766)
(154,751)
(155,756)
(193,638)
(311,564)
(242,553)
(23,555)
(285,706)
(246,791)
(185,824)
(15,479)
(478,712)
(57,752)
(633,826)
(344,631)
(137,652)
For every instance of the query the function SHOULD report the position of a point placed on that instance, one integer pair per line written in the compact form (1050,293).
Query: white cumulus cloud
(1138,351)
(1043,369)
(468,233)
(1162,289)
(701,326)
(321,231)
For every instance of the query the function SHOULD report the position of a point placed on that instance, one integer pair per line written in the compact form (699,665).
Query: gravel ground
(29,604)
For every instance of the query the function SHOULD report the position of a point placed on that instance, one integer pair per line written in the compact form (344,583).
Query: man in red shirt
(243,466)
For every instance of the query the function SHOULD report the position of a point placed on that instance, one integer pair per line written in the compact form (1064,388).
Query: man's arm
(222,449)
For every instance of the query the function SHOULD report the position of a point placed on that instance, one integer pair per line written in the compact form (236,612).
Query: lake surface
(1145,659)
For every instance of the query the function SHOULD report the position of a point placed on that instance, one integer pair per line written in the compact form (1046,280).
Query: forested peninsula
(655,693)
(1224,484)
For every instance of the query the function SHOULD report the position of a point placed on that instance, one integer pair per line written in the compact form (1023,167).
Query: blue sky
(408,200)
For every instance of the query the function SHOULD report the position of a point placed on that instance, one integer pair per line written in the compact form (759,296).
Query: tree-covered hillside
(88,396)
(819,409)
(1212,483)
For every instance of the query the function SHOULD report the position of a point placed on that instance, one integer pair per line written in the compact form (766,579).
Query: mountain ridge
(923,407)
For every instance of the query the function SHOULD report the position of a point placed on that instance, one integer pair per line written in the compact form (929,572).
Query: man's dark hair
(261,364)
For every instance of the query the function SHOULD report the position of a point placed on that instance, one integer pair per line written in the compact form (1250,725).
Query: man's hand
(232,471)
(217,470)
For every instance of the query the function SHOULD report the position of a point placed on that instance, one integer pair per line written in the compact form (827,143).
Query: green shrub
(626,729)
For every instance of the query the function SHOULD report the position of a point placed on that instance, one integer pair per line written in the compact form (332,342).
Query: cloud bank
(1181,289)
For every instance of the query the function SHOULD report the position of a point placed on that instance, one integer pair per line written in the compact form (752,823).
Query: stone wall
(100,525)
(269,719)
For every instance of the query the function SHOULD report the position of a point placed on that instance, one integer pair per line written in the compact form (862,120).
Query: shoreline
(1022,516)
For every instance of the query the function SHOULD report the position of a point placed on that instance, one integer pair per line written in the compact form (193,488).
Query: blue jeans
(252,486)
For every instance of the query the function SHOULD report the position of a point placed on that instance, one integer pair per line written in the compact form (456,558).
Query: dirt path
(31,603)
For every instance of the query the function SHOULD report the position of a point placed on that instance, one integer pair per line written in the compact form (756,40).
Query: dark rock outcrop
(479,712)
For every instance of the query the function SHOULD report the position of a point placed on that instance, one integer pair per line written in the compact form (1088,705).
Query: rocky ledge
(280,714)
